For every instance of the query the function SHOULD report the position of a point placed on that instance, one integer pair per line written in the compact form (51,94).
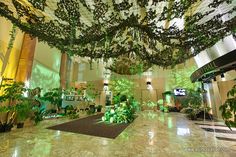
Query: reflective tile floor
(152,134)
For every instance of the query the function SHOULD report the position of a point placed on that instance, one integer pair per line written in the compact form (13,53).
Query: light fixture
(214,78)
(105,86)
(149,85)
(222,75)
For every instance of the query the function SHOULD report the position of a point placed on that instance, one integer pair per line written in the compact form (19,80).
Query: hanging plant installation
(127,65)
(161,32)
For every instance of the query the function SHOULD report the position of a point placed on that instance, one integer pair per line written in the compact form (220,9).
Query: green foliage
(54,97)
(192,103)
(122,86)
(193,99)
(122,112)
(13,95)
(164,108)
(98,108)
(149,104)
(71,112)
(23,110)
(137,69)
(91,92)
(12,92)
(73,115)
(38,114)
(108,39)
(181,78)
(5,109)
(229,108)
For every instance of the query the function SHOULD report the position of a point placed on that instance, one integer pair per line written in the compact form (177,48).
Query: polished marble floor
(152,134)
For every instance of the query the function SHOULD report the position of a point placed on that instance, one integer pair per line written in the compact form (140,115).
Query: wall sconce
(149,85)
(214,78)
(105,86)
(222,75)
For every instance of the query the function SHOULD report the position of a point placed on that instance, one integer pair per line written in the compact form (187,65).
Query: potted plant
(12,95)
(229,108)
(99,108)
(7,117)
(23,110)
(54,97)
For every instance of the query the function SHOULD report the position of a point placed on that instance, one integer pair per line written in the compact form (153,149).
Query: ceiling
(160,32)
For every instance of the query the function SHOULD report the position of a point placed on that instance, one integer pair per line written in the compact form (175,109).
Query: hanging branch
(102,36)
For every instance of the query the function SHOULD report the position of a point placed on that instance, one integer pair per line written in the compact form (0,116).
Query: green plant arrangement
(71,112)
(128,65)
(125,105)
(164,108)
(12,95)
(193,98)
(122,86)
(38,114)
(91,92)
(149,105)
(192,104)
(54,96)
(110,35)
(122,112)
(229,108)
(99,108)
(23,112)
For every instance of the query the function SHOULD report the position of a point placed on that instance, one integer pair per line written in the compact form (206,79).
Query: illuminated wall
(46,67)
(180,78)
(9,58)
(161,79)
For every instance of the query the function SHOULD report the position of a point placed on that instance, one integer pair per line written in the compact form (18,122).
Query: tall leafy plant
(54,96)
(229,108)
(192,103)
(11,96)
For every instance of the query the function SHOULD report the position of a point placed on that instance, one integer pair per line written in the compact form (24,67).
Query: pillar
(63,69)
(25,64)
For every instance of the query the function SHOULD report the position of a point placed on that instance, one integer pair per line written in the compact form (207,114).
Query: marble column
(63,69)
(25,65)
(75,71)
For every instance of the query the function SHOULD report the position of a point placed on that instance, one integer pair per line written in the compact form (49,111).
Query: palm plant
(12,95)
(229,108)
(54,97)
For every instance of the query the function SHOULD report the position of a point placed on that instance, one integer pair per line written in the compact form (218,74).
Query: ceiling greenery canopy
(160,32)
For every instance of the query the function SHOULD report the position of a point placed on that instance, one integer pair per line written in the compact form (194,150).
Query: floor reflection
(151,134)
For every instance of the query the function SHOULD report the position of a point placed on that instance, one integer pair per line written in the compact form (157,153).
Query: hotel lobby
(99,78)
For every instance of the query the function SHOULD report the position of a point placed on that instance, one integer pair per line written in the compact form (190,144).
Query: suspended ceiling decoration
(161,32)
(129,64)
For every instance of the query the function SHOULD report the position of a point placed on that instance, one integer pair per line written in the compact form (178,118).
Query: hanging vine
(101,29)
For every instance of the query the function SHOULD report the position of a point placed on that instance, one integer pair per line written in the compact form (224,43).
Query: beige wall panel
(49,57)
(13,59)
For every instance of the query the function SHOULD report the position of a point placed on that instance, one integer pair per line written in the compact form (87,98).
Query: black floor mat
(92,125)
(211,124)
(226,138)
(219,130)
